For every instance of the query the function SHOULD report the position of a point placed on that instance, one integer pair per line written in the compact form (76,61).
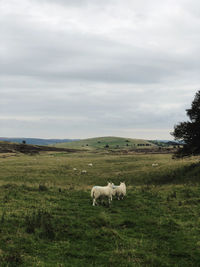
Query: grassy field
(47,218)
(110,141)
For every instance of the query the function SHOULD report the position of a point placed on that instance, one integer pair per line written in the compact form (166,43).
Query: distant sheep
(83,171)
(90,164)
(120,190)
(74,169)
(154,164)
(99,192)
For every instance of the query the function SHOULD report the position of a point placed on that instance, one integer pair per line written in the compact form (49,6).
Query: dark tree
(189,132)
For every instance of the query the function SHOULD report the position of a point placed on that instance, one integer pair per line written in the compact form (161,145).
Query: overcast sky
(87,68)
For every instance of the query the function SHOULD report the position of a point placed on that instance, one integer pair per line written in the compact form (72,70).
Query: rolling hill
(36,141)
(107,142)
(8,147)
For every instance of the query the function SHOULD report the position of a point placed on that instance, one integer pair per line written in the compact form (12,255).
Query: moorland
(47,217)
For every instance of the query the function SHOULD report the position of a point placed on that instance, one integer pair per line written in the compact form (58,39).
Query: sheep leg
(94,201)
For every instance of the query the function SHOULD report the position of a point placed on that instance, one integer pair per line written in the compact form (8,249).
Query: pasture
(99,143)
(47,217)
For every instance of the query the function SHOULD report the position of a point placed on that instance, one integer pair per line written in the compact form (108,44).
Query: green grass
(47,217)
(102,142)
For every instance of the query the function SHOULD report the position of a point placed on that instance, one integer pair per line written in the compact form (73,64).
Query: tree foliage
(189,132)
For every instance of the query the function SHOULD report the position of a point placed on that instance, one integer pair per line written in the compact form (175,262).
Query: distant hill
(36,141)
(8,147)
(107,142)
(166,143)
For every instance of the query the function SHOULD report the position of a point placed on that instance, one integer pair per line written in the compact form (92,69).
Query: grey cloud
(64,55)
(78,3)
(114,109)
(64,78)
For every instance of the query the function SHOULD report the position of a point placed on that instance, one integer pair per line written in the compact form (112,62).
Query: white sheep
(83,171)
(75,169)
(119,190)
(90,164)
(154,164)
(99,192)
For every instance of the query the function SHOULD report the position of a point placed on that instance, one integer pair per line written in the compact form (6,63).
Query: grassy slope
(101,142)
(157,224)
(8,147)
